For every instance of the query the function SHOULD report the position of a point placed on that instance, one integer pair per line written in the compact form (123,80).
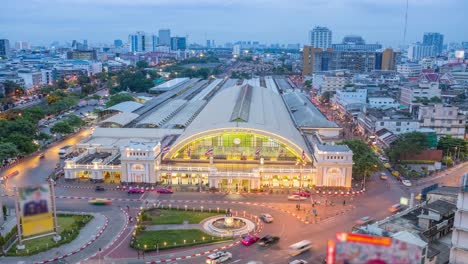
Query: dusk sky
(267,21)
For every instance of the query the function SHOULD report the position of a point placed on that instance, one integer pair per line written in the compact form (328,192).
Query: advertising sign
(364,249)
(35,210)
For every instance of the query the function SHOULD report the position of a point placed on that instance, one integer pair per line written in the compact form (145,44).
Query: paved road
(33,170)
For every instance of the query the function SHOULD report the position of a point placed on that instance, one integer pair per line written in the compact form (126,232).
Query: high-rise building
(165,37)
(178,43)
(420,51)
(118,43)
(22,45)
(236,50)
(434,39)
(320,37)
(85,44)
(4,47)
(315,59)
(82,55)
(353,39)
(141,42)
(388,60)
(459,251)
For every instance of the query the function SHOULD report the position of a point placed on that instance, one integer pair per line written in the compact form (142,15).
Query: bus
(299,247)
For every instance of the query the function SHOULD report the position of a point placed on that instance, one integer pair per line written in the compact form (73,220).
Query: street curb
(81,248)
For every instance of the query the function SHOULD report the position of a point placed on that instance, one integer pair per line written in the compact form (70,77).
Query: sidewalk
(442,174)
(9,224)
(86,234)
(176,226)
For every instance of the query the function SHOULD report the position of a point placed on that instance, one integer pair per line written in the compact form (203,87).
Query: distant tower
(406,23)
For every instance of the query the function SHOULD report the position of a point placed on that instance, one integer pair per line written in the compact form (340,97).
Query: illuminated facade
(243,139)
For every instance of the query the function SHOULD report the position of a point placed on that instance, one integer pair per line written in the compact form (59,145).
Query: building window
(398,123)
(448,129)
(381,123)
(398,129)
(138,167)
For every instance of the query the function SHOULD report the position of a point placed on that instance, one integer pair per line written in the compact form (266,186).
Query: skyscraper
(434,39)
(141,42)
(178,43)
(320,37)
(118,43)
(4,47)
(165,37)
(420,51)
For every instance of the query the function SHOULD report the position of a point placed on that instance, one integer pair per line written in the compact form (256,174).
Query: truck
(64,151)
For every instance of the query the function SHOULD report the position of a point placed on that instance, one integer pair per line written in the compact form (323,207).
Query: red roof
(428,154)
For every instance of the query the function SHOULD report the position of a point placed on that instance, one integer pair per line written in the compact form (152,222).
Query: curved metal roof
(267,115)
(121,119)
(125,107)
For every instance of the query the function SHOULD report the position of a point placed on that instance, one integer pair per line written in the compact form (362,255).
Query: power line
(406,23)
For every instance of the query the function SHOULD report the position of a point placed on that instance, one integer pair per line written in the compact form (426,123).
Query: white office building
(459,251)
(409,69)
(142,42)
(32,79)
(236,50)
(331,80)
(320,37)
(417,51)
(445,120)
(382,102)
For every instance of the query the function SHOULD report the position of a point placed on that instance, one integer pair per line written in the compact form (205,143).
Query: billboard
(35,210)
(364,249)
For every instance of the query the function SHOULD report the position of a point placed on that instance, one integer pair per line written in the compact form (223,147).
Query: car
(387,165)
(135,190)
(383,159)
(406,183)
(42,155)
(383,176)
(396,173)
(218,257)
(418,197)
(395,208)
(100,201)
(302,193)
(298,261)
(268,240)
(296,198)
(267,218)
(249,240)
(164,190)
(364,220)
(99,188)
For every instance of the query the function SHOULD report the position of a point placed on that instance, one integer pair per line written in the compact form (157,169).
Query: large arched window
(138,167)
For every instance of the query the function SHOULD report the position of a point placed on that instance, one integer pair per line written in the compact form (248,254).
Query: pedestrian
(344,202)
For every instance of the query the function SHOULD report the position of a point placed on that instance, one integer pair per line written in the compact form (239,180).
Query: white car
(406,183)
(298,261)
(364,220)
(218,257)
(267,218)
(296,198)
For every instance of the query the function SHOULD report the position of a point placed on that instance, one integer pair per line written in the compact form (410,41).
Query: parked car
(298,261)
(395,208)
(364,220)
(406,183)
(164,190)
(42,155)
(99,188)
(249,240)
(268,240)
(387,165)
(383,176)
(218,257)
(296,198)
(302,193)
(100,201)
(135,190)
(267,218)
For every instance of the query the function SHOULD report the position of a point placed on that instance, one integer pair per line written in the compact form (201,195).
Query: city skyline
(261,20)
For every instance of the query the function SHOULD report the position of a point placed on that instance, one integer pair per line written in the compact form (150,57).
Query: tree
(308,83)
(88,88)
(83,79)
(142,64)
(74,121)
(62,84)
(24,143)
(203,73)
(457,147)
(134,81)
(407,144)
(325,97)
(7,150)
(11,88)
(363,158)
(62,128)
(119,98)
(34,113)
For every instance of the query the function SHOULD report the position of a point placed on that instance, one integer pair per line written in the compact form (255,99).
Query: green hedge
(68,234)
(417,162)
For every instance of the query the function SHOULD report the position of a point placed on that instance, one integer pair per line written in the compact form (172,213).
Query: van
(299,247)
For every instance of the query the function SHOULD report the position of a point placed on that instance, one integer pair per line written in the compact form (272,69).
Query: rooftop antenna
(406,23)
